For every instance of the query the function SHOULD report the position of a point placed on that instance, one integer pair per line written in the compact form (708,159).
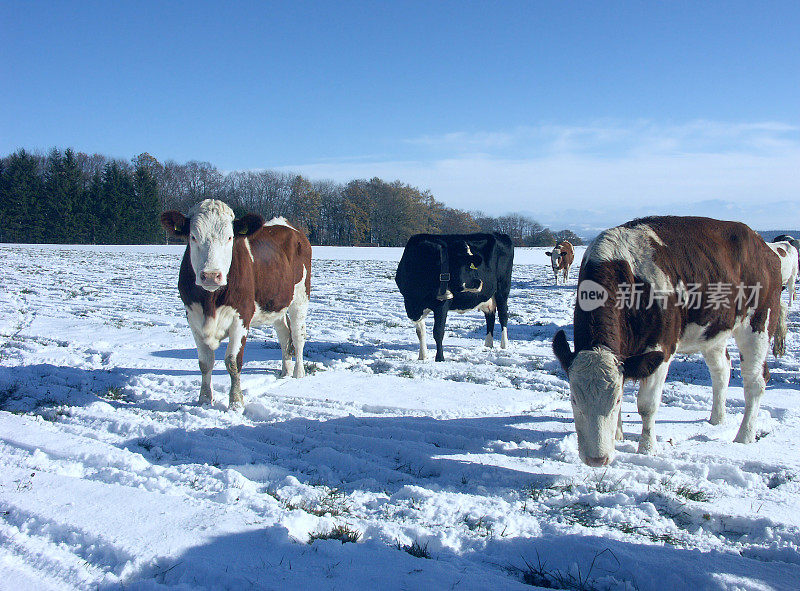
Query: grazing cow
(789,264)
(238,273)
(561,258)
(457,272)
(698,281)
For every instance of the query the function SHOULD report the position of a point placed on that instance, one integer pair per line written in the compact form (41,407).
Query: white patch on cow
(262,317)
(211,329)
(648,399)
(595,380)
(298,309)
(473,289)
(249,251)
(419,327)
(789,265)
(211,242)
(465,310)
(504,338)
(469,251)
(555,258)
(488,306)
(753,348)
(280,221)
(633,245)
(208,331)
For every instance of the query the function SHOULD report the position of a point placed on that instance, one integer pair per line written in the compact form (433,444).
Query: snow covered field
(112,477)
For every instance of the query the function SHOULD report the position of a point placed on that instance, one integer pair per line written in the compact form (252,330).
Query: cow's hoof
(488,341)
(620,436)
(440,358)
(299,370)
(716,419)
(744,437)
(647,447)
(205,400)
(236,406)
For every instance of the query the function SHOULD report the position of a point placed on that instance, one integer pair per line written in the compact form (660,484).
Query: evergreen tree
(20,191)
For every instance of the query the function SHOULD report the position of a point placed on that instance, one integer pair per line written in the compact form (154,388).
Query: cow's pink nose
(211,277)
(597,462)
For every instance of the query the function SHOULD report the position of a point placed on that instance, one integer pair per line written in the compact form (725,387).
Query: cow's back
(661,253)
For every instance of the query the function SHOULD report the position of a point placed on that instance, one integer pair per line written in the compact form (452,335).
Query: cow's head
(555,257)
(465,265)
(595,383)
(210,229)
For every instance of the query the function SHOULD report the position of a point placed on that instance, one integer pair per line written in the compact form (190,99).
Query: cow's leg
(205,358)
(502,313)
(648,400)
(719,366)
(489,341)
(439,319)
(285,340)
(297,325)
(753,346)
(423,346)
(790,286)
(620,435)
(234,357)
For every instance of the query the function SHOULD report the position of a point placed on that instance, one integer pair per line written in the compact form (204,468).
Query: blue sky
(581,113)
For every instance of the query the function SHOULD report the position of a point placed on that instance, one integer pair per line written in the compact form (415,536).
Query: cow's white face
(595,383)
(211,243)
(555,258)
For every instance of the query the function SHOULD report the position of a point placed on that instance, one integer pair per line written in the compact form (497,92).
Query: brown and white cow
(700,281)
(789,264)
(238,273)
(561,258)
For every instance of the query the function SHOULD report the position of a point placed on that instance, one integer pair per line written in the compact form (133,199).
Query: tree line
(72,197)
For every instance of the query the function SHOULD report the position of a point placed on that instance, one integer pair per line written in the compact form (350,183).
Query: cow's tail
(290,348)
(779,339)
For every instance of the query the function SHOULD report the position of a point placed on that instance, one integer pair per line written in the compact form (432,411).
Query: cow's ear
(175,223)
(247,224)
(637,367)
(562,350)
(548,253)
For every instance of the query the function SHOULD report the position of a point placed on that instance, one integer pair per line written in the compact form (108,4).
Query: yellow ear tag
(243,231)
(472,266)
(177,228)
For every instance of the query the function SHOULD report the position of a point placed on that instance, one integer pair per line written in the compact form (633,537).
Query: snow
(111,476)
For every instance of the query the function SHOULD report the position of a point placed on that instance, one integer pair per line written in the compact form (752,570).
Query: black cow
(443,272)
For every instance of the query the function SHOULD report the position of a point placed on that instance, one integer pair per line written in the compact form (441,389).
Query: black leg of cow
(439,319)
(502,312)
(489,342)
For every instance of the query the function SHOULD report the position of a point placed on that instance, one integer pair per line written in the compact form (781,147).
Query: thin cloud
(599,172)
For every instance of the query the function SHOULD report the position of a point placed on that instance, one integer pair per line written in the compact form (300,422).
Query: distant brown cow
(658,286)
(561,258)
(238,273)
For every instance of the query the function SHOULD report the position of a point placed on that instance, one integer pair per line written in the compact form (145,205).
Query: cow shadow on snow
(275,560)
(381,454)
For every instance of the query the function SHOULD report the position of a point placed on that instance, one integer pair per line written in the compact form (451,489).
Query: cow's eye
(230,238)
(472,266)
(193,238)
